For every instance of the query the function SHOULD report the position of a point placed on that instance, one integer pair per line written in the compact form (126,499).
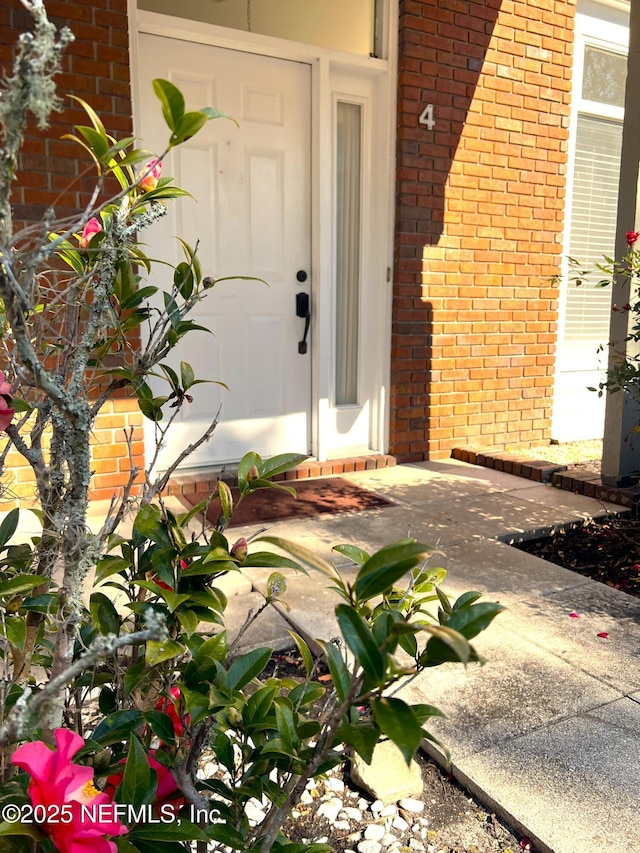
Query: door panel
(251,217)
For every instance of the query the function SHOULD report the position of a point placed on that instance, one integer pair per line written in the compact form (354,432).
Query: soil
(606,550)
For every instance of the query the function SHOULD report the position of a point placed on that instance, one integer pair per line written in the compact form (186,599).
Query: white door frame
(330,71)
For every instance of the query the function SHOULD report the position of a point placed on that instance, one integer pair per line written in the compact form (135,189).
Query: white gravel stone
(330,809)
(411,805)
(416,845)
(336,785)
(389,811)
(374,832)
(369,847)
(253,812)
(363,805)
(351,813)
(342,825)
(400,824)
(388,839)
(377,806)
(306,798)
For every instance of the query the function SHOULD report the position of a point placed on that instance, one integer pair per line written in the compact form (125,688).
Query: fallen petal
(603,634)
(526,843)
(574,615)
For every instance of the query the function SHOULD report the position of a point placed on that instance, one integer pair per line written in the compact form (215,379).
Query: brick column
(480,207)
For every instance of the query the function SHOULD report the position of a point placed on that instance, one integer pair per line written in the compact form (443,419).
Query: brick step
(205,481)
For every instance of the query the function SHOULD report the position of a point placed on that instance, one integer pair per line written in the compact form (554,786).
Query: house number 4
(426,117)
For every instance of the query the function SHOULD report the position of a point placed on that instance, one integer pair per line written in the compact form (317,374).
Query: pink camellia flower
(168,794)
(632,237)
(150,175)
(6,412)
(93,226)
(56,783)
(171,709)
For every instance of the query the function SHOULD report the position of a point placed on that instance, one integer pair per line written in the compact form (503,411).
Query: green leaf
(157,652)
(212,113)
(244,466)
(20,584)
(471,620)
(135,675)
(183,280)
(171,100)
(187,375)
(177,830)
(16,629)
(269,560)
(21,829)
(97,142)
(362,738)
(189,621)
(386,566)
(286,728)
(465,600)
(137,786)
(187,127)
(259,703)
(9,526)
(225,835)
(396,720)
(445,645)
(162,726)
(339,672)
(110,565)
(359,638)
(171,307)
(304,650)
(353,553)
(303,554)
(202,667)
(279,464)
(244,669)
(104,614)
(116,727)
(149,525)
(93,115)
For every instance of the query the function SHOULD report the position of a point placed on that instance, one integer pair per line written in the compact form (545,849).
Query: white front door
(251,217)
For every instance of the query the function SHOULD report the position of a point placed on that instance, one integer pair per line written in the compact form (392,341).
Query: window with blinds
(593,225)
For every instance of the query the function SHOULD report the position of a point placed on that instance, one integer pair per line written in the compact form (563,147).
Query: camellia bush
(128,719)
(623,372)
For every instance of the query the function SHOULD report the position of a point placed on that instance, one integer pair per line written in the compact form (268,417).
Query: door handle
(303,309)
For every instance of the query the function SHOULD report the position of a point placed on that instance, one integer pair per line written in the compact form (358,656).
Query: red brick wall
(55,173)
(480,202)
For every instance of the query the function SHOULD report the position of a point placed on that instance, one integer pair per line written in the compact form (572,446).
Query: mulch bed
(606,549)
(313,497)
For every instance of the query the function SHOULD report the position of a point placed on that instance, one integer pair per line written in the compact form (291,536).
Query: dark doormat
(316,496)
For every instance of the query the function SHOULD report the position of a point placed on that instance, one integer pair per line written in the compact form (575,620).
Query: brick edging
(205,481)
(560,476)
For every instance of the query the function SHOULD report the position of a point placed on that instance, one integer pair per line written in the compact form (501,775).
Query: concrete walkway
(548,731)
